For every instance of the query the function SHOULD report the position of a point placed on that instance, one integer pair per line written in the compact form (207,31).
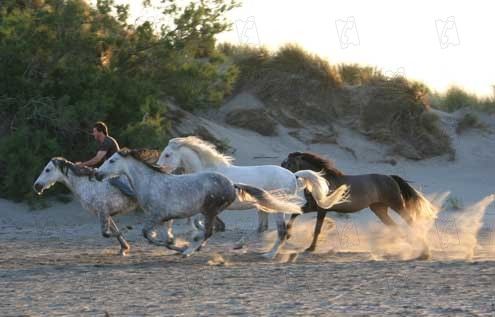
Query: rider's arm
(95,160)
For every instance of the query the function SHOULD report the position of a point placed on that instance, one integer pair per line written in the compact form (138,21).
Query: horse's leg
(170,231)
(282,236)
(219,225)
(108,231)
(124,246)
(381,211)
(320,217)
(202,238)
(404,213)
(149,233)
(290,224)
(262,221)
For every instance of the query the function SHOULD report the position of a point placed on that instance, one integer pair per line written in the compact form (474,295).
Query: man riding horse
(107,147)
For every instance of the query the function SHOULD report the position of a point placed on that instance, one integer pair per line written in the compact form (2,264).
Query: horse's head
(171,156)
(52,173)
(293,162)
(114,166)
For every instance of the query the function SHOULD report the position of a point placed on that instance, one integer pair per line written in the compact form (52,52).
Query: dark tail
(416,203)
(268,202)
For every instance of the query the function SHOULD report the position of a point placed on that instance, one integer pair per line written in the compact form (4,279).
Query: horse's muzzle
(38,188)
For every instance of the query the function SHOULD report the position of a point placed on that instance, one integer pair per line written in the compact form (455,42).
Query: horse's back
(268,177)
(366,189)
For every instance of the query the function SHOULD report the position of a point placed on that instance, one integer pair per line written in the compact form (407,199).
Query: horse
(193,154)
(99,198)
(165,196)
(376,191)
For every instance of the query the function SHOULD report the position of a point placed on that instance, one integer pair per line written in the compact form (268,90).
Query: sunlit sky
(441,43)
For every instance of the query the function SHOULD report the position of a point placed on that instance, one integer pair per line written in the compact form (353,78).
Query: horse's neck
(74,182)
(333,179)
(139,177)
(192,162)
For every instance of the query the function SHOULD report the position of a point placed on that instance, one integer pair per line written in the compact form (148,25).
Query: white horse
(99,198)
(194,155)
(166,196)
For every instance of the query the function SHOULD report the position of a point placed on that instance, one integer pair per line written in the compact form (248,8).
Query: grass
(456,98)
(293,81)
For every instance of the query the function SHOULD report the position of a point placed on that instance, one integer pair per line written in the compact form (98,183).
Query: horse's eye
(167,155)
(112,161)
(47,170)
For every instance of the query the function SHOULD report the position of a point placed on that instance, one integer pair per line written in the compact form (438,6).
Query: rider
(107,147)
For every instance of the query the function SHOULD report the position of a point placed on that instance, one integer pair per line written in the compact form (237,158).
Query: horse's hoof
(187,253)
(424,256)
(269,255)
(262,229)
(124,252)
(310,249)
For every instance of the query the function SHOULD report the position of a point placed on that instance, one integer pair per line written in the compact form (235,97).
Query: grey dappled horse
(99,198)
(166,196)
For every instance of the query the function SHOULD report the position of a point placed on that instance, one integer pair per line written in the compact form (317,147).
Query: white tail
(271,202)
(318,187)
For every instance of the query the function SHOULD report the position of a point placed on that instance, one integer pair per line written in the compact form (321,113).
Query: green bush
(456,98)
(65,65)
(469,121)
(355,74)
(396,114)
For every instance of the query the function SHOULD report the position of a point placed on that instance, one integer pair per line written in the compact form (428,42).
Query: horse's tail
(271,202)
(416,203)
(317,185)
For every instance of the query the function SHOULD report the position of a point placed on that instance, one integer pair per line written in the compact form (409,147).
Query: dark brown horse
(376,191)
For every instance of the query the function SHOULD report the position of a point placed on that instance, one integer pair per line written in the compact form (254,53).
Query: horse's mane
(319,162)
(65,165)
(146,156)
(205,150)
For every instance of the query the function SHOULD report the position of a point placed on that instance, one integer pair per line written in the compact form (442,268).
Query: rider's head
(100,131)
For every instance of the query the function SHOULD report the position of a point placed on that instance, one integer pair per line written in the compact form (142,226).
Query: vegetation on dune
(456,98)
(65,65)
(388,110)
(468,122)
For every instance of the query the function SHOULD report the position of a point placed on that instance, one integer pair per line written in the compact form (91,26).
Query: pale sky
(438,42)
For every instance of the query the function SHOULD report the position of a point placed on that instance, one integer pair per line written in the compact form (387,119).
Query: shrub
(66,65)
(469,121)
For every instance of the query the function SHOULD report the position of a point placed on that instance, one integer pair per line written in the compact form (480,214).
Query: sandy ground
(54,262)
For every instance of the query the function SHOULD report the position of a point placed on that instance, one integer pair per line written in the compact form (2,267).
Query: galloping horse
(194,155)
(166,196)
(101,199)
(376,191)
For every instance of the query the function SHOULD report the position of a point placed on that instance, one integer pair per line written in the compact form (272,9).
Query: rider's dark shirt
(109,145)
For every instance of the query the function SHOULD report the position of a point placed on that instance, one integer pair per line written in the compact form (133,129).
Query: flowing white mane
(204,149)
